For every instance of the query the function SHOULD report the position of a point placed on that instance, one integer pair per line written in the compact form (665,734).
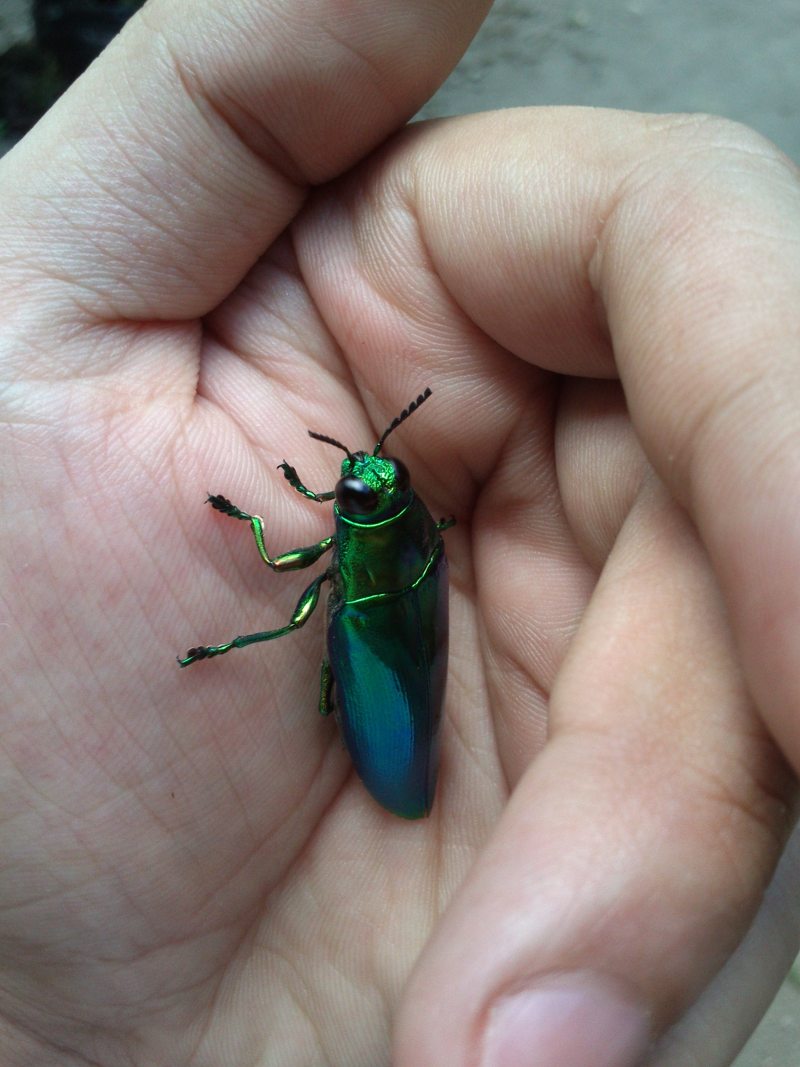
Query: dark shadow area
(68,36)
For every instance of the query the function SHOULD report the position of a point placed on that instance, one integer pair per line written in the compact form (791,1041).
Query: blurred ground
(731,57)
(16,23)
(776,1043)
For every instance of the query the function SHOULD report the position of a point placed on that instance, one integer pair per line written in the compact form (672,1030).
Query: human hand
(191,872)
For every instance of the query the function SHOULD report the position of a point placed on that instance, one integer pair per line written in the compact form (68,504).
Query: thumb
(635,850)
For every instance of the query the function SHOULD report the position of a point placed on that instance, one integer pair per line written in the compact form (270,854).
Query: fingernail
(570,1020)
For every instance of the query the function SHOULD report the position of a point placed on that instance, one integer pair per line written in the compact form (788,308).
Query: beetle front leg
(293,560)
(293,478)
(305,607)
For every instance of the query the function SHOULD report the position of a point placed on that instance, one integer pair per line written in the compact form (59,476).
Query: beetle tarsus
(293,478)
(221,503)
(193,655)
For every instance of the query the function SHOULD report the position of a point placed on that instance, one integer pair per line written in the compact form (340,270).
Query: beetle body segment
(387,646)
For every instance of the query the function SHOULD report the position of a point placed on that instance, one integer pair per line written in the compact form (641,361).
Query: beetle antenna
(332,441)
(412,407)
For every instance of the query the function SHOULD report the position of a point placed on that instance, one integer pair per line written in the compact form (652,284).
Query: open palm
(192,872)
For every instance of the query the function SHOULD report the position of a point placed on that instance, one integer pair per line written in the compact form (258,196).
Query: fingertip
(566,1020)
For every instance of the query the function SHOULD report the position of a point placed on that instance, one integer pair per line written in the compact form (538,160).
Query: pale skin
(190,872)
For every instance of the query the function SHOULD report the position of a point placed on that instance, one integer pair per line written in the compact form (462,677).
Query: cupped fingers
(635,850)
(160,177)
(664,250)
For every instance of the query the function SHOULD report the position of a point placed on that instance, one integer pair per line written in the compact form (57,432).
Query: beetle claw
(193,655)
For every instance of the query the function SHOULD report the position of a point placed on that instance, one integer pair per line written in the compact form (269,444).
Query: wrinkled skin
(190,872)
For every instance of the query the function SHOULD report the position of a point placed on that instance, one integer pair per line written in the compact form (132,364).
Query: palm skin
(211,875)
(191,871)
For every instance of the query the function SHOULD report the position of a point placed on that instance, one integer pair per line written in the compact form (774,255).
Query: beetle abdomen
(389,661)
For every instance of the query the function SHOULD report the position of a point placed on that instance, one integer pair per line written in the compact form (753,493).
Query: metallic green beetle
(386,668)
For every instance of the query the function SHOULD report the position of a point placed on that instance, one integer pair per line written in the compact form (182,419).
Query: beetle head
(373,488)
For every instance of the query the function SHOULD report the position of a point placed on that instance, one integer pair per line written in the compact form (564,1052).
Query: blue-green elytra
(387,626)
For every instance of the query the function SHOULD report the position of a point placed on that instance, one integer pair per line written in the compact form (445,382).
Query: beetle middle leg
(305,607)
(293,560)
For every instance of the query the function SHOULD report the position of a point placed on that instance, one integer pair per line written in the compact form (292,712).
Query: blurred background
(44,45)
(736,58)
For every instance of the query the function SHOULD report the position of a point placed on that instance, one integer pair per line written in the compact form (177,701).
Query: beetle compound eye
(402,479)
(355,497)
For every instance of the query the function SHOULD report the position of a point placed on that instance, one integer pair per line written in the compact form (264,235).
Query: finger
(160,177)
(636,848)
(662,249)
(599,462)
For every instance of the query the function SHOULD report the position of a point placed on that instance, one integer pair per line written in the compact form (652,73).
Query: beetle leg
(326,689)
(293,478)
(445,524)
(305,606)
(293,560)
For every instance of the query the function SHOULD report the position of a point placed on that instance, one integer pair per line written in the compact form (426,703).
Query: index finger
(158,179)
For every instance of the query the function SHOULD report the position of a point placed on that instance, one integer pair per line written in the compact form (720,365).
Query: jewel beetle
(387,621)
